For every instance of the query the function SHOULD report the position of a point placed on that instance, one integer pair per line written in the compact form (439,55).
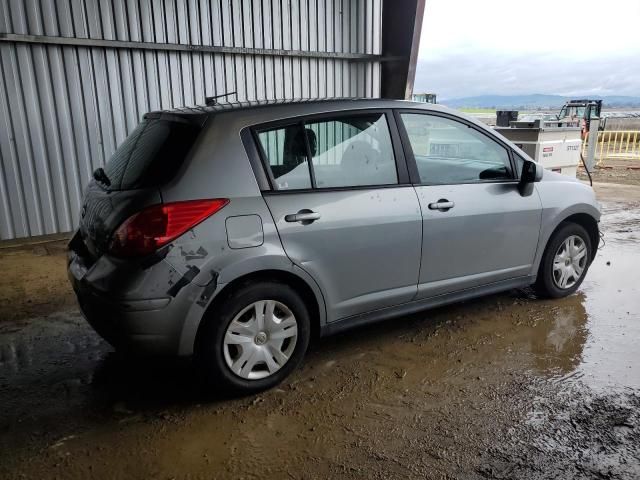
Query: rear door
(477,228)
(344,209)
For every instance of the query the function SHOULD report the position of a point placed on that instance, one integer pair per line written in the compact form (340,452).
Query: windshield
(572,111)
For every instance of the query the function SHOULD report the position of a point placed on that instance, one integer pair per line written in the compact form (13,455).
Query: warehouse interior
(77,76)
(278,220)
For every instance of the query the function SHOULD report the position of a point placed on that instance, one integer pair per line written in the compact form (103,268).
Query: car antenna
(210,101)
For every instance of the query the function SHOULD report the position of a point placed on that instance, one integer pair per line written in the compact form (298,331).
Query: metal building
(77,75)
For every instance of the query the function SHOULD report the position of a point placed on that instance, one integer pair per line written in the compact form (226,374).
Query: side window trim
(410,157)
(398,149)
(312,173)
(514,163)
(249,135)
(256,154)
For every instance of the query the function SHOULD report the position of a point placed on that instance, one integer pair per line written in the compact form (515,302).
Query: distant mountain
(533,101)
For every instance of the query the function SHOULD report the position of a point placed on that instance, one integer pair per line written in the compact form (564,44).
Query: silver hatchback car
(235,232)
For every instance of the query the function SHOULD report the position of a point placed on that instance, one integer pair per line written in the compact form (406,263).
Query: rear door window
(151,154)
(345,151)
(352,151)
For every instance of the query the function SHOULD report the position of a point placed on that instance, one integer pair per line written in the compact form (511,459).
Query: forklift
(580,112)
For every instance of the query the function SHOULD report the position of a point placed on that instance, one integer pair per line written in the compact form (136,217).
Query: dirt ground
(508,386)
(37,281)
(622,171)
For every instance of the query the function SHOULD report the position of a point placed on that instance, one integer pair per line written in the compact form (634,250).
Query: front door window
(448,152)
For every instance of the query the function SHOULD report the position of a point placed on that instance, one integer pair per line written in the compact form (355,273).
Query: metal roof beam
(180,47)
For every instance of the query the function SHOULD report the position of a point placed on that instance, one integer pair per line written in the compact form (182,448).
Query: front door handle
(305,217)
(443,205)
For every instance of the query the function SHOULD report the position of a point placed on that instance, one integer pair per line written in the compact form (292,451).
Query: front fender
(560,200)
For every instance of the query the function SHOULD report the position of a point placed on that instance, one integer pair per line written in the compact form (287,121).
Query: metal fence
(77,75)
(615,145)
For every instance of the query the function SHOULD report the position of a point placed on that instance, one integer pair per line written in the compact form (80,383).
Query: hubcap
(569,262)
(260,339)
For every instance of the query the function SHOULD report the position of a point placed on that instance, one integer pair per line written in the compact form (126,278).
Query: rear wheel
(565,261)
(254,339)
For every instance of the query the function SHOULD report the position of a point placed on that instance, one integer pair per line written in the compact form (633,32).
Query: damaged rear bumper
(136,331)
(131,323)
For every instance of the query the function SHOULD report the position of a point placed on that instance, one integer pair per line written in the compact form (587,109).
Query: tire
(220,357)
(551,279)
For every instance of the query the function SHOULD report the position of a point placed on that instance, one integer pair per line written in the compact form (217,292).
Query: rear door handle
(443,205)
(303,216)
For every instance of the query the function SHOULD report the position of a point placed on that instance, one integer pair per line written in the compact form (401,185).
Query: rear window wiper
(101,177)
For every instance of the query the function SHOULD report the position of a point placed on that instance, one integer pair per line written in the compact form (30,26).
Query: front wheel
(255,338)
(565,261)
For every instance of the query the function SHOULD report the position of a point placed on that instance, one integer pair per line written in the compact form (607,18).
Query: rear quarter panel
(219,168)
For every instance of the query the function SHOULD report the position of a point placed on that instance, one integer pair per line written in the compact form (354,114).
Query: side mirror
(531,172)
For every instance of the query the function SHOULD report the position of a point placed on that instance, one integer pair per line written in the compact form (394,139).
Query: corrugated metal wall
(73,83)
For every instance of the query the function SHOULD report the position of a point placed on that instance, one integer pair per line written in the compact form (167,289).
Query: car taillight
(148,230)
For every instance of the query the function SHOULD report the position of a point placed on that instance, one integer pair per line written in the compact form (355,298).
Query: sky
(513,47)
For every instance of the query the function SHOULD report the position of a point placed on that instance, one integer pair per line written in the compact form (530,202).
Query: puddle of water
(593,334)
(611,356)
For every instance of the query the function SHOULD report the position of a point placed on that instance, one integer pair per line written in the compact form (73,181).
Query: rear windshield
(151,155)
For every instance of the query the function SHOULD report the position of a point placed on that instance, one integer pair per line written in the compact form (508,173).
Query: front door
(344,217)
(477,228)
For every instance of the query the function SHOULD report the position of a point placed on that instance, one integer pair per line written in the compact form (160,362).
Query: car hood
(549,176)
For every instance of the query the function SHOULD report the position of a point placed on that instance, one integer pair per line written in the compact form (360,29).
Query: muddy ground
(508,386)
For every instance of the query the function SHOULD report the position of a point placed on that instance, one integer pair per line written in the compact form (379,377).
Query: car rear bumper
(141,326)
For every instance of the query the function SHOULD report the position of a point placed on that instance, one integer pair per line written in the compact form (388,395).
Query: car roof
(320,104)
(251,113)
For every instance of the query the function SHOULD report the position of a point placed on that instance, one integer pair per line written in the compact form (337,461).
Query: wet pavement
(508,386)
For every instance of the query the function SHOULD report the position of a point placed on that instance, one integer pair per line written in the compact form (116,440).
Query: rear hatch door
(150,156)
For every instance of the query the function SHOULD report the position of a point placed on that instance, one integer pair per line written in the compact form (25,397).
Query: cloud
(477,47)
(481,72)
